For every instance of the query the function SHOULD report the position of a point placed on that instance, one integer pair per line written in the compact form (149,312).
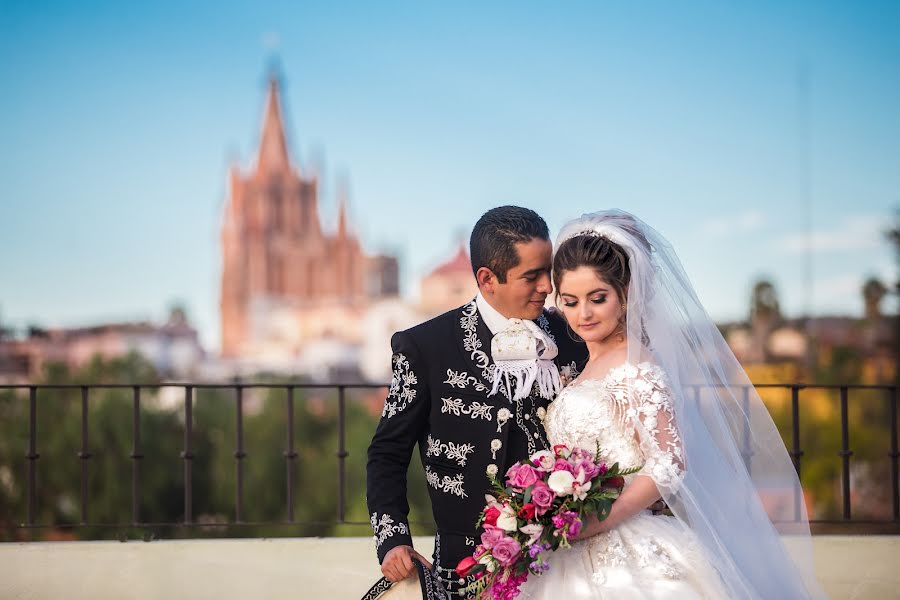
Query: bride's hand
(592,526)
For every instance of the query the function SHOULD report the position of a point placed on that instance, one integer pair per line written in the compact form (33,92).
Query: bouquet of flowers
(542,504)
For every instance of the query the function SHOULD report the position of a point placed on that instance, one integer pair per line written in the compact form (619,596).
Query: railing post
(342,452)
(84,454)
(32,454)
(239,456)
(796,452)
(136,456)
(745,407)
(187,454)
(845,454)
(894,454)
(290,455)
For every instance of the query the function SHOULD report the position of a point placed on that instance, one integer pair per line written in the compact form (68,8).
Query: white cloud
(834,289)
(857,233)
(729,225)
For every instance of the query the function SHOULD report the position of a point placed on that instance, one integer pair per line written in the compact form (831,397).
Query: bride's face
(590,304)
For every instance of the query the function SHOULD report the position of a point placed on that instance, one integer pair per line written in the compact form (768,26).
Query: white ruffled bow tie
(523,354)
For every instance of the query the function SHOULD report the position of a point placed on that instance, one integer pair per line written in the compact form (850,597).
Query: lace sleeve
(653,414)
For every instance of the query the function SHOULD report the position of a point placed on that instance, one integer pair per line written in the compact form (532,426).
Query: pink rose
(491,536)
(521,476)
(542,497)
(591,469)
(564,465)
(506,551)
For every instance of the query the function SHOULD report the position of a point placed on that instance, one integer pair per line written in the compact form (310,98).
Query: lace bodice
(629,412)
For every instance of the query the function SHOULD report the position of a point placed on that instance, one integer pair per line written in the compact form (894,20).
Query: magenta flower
(564,465)
(521,476)
(506,550)
(491,536)
(591,469)
(567,522)
(542,497)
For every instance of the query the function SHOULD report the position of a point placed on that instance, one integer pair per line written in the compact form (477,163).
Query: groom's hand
(398,563)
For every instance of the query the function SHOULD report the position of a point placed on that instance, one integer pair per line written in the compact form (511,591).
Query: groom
(471,388)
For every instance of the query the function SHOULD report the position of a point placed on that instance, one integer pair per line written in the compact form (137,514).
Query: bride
(663,390)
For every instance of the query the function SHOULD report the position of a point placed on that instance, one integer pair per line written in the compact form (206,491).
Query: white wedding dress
(646,556)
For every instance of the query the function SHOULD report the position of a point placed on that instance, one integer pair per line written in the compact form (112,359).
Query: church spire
(273,153)
(342,208)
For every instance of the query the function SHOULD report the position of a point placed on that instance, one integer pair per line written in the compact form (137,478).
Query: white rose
(561,482)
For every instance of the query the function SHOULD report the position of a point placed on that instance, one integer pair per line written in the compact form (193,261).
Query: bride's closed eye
(597,300)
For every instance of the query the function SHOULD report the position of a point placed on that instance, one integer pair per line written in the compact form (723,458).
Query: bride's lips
(587,325)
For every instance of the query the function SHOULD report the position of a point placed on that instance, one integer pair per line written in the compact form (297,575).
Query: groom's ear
(486,279)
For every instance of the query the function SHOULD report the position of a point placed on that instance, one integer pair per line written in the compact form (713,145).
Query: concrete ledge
(857,567)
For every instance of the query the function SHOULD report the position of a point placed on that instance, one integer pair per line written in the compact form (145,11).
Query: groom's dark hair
(495,235)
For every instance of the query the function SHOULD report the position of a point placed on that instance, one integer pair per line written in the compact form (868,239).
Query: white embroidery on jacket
(453,451)
(386,527)
(447,484)
(475,410)
(402,389)
(462,379)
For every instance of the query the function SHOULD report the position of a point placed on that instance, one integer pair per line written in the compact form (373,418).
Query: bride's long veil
(740,493)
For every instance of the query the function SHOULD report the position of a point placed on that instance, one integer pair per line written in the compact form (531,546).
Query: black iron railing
(32,454)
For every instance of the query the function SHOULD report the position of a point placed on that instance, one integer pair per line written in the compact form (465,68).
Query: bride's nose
(586,311)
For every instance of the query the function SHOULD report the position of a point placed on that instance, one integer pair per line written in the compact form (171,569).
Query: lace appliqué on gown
(629,413)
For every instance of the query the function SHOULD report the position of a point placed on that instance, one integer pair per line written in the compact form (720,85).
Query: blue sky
(118,122)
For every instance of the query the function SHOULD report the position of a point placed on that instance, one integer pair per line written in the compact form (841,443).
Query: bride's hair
(597,252)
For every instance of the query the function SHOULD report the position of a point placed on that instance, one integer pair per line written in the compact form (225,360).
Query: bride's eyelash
(597,300)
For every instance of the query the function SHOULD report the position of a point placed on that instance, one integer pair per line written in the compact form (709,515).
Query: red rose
(465,565)
(527,511)
(490,515)
(614,482)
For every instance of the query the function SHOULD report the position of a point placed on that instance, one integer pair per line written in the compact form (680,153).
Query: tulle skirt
(646,557)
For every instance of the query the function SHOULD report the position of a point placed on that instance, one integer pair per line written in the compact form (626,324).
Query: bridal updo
(606,257)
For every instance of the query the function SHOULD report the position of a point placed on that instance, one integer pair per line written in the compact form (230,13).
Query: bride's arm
(640,494)
(653,416)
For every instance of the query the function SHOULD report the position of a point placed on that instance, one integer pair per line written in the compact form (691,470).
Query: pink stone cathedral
(285,278)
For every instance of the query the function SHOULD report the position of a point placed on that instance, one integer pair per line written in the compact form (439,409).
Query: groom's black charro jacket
(438,399)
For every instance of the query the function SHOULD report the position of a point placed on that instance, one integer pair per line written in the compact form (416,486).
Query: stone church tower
(277,261)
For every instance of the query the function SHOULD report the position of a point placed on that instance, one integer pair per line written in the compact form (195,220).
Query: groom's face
(527,284)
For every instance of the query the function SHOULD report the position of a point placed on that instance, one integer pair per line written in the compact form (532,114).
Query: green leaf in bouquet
(603,508)
(527,497)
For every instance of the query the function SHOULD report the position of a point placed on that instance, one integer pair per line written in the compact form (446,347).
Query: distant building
(768,338)
(285,280)
(172,347)
(449,285)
